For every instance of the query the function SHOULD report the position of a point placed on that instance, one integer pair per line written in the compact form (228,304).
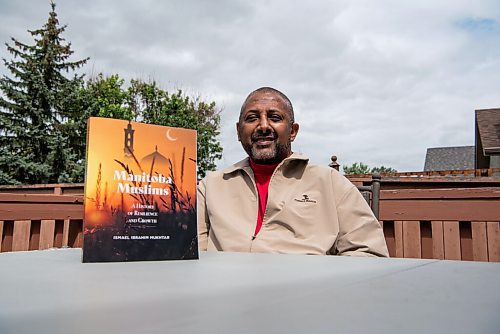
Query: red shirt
(263,175)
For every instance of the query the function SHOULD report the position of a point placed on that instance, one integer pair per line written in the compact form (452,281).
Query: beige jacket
(311,210)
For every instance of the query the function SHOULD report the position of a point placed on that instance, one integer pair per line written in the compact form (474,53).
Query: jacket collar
(245,163)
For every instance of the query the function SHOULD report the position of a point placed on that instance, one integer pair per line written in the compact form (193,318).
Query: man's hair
(287,101)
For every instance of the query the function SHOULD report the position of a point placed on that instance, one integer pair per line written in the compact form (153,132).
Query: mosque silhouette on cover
(128,148)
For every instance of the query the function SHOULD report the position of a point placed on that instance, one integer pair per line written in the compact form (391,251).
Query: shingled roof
(488,128)
(449,158)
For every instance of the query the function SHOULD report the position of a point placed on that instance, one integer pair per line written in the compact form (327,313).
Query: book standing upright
(140,192)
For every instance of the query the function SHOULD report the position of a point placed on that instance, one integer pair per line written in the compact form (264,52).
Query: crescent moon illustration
(169,137)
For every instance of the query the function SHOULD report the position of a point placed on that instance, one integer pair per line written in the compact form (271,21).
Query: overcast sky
(371,81)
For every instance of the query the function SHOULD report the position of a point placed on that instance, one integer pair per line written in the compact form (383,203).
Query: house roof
(488,126)
(449,158)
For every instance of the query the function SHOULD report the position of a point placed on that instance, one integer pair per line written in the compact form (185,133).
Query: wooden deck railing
(420,220)
(40,221)
(454,224)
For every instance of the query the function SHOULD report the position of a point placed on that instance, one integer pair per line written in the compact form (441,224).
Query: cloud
(377,82)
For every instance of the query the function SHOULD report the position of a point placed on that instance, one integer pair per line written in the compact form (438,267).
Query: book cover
(140,192)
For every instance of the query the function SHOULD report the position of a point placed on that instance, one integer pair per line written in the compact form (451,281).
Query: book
(140,192)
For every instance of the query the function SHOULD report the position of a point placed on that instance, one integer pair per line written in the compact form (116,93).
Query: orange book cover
(140,192)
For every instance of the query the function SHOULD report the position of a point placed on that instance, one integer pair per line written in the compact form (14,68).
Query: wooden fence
(420,218)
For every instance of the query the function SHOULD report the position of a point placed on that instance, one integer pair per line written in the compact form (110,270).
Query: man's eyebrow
(249,112)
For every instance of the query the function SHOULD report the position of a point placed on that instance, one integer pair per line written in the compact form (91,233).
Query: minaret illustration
(128,147)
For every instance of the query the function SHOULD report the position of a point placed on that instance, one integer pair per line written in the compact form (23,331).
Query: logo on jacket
(305,199)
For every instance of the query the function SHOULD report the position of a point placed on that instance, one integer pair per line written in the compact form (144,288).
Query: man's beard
(273,154)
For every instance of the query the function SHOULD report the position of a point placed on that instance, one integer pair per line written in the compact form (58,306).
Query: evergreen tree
(37,110)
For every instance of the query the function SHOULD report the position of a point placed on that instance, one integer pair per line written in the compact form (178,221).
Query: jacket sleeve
(202,216)
(360,233)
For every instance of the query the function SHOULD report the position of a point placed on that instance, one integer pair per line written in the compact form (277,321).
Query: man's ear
(238,130)
(294,131)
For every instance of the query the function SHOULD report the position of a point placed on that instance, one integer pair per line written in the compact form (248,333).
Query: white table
(53,292)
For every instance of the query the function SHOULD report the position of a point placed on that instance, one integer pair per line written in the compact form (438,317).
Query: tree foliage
(146,102)
(356,168)
(43,113)
(383,170)
(361,168)
(151,104)
(35,107)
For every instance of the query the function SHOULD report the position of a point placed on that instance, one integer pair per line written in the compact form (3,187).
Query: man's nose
(264,123)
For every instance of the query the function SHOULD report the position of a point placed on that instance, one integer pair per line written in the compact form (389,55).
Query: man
(275,200)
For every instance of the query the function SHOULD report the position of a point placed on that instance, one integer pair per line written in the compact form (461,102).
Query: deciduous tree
(148,103)
(361,168)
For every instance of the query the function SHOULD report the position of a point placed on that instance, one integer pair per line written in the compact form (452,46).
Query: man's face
(265,129)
